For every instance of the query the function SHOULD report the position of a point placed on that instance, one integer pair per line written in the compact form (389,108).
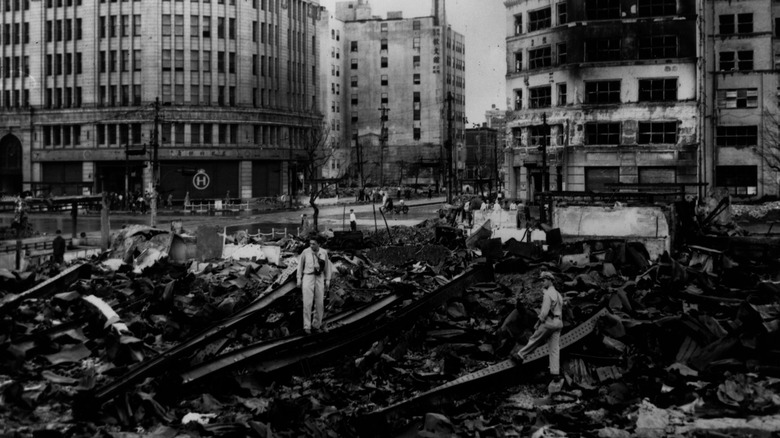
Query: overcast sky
(482,22)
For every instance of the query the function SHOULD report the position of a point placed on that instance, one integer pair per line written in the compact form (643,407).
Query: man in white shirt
(548,327)
(352,220)
(314,274)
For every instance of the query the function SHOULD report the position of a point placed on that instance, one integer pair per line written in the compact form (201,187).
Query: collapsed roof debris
(420,329)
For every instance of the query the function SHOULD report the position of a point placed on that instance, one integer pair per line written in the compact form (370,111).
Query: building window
(654,8)
(539,19)
(383,27)
(657,90)
(563,15)
(562,52)
(539,135)
(602,134)
(739,60)
(539,58)
(602,92)
(354,81)
(353,46)
(384,62)
(416,43)
(597,178)
(658,46)
(518,99)
(354,99)
(739,180)
(384,80)
(416,61)
(657,133)
(416,133)
(540,97)
(736,136)
(602,9)
(354,64)
(416,78)
(385,99)
(738,98)
(383,44)
(166,25)
(602,49)
(518,24)
(416,25)
(735,23)
(562,94)
(518,61)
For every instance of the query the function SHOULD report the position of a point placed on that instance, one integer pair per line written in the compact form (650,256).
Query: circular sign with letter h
(201,180)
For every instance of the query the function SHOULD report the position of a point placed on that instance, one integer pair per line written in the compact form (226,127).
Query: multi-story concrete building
(333,95)
(609,87)
(406,88)
(740,111)
(237,83)
(483,159)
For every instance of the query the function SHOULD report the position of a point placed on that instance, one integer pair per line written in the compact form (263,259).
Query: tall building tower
(406,88)
(609,87)
(333,95)
(740,107)
(229,87)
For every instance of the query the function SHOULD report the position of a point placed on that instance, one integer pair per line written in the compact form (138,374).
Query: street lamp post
(545,176)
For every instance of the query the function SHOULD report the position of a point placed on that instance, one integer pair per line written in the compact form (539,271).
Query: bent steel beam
(55,284)
(88,404)
(479,380)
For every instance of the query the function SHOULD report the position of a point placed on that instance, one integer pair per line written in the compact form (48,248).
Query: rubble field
(690,346)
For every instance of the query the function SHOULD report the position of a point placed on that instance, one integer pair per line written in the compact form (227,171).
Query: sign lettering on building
(436,57)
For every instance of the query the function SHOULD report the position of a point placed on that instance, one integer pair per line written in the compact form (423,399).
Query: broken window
(539,19)
(658,46)
(736,136)
(518,99)
(658,90)
(602,9)
(602,92)
(657,133)
(654,8)
(607,133)
(602,49)
(739,180)
(563,16)
(597,178)
(731,24)
(353,46)
(539,135)
(562,94)
(539,58)
(518,61)
(540,97)
(738,98)
(739,60)
(518,24)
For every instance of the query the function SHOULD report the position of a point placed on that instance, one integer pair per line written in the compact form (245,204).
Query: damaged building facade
(405,82)
(608,87)
(741,124)
(236,82)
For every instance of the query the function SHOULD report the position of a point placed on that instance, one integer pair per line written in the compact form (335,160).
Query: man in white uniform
(548,327)
(314,274)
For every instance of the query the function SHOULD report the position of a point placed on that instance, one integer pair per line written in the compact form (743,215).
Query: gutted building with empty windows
(237,83)
(740,112)
(608,86)
(405,78)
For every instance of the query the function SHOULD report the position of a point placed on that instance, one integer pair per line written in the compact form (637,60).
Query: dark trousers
(353,225)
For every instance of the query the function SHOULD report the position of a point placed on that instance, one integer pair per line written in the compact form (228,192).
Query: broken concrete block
(436,426)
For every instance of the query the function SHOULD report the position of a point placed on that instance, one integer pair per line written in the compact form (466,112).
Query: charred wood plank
(88,404)
(55,284)
(481,380)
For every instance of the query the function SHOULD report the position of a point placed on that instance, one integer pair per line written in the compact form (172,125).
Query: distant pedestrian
(352,220)
(58,247)
(170,199)
(186,200)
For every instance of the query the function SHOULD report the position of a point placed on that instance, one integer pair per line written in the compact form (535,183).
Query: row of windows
(65,97)
(15,66)
(119,135)
(16,33)
(16,98)
(18,5)
(110,61)
(121,25)
(226,95)
(599,92)
(61,135)
(64,64)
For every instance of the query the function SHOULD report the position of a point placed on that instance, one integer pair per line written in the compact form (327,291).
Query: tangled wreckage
(170,335)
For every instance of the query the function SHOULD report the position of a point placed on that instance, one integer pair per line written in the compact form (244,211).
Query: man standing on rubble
(548,327)
(352,220)
(314,273)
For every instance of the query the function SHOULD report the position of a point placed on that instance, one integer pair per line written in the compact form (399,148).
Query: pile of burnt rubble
(690,347)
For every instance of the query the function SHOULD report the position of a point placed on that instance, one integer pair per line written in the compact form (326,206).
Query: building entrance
(10,165)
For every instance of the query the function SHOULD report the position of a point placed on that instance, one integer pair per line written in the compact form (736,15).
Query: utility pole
(449,147)
(495,158)
(382,142)
(545,176)
(359,156)
(155,162)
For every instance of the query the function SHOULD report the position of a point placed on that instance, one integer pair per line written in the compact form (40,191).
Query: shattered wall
(648,225)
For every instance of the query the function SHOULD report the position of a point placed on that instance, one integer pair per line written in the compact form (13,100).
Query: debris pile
(690,344)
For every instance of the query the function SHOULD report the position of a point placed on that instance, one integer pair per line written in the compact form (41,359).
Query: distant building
(402,69)
(333,94)
(237,83)
(483,158)
(741,121)
(609,87)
